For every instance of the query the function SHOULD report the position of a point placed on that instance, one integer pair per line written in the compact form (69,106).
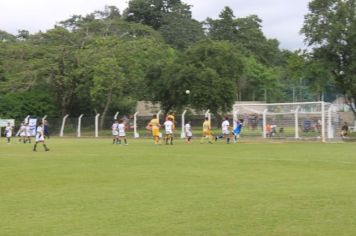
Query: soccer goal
(305,120)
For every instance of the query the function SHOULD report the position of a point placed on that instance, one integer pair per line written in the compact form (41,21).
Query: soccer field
(91,187)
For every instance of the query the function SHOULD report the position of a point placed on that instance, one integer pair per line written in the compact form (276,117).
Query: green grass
(91,187)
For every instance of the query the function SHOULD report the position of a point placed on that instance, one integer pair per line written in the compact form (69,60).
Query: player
(188,131)
(8,132)
(22,133)
(237,131)
(115,132)
(122,134)
(40,137)
(207,133)
(169,128)
(225,126)
(154,126)
(28,133)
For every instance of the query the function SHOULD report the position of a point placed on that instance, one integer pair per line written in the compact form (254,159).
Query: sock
(171,140)
(34,147)
(125,140)
(45,147)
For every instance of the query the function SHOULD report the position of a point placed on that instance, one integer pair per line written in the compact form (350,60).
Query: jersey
(206,126)
(225,126)
(8,131)
(114,129)
(188,130)
(23,131)
(28,131)
(238,128)
(168,127)
(154,123)
(39,134)
(121,128)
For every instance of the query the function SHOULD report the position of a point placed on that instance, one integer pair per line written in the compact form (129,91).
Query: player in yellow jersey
(207,133)
(154,125)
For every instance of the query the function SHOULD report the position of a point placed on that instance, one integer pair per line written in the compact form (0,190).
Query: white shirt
(225,125)
(121,128)
(8,131)
(168,126)
(114,127)
(188,128)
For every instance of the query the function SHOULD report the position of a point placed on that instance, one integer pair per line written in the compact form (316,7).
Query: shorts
(188,134)
(207,133)
(8,135)
(39,138)
(115,133)
(226,132)
(155,132)
(122,134)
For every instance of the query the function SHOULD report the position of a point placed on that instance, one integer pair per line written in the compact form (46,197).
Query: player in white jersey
(115,132)
(188,131)
(8,132)
(22,133)
(122,134)
(40,137)
(225,126)
(169,128)
(28,133)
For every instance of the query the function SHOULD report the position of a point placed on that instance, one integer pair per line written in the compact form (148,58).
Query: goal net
(308,120)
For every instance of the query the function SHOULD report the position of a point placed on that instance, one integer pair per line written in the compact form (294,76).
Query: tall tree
(330,28)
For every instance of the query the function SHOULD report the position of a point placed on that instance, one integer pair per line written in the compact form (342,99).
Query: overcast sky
(282,19)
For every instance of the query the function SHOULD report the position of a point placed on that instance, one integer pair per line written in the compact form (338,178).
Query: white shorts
(39,138)
(122,134)
(8,134)
(188,134)
(169,132)
(22,134)
(226,132)
(115,133)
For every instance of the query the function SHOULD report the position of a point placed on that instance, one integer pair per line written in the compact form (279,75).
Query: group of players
(119,128)
(25,134)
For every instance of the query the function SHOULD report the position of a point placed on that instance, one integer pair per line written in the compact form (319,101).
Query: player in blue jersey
(237,130)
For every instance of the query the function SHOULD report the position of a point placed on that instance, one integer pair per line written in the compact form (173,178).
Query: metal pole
(63,124)
(97,125)
(264,123)
(207,114)
(158,114)
(44,118)
(79,125)
(136,135)
(296,119)
(330,128)
(323,138)
(182,134)
(116,114)
(26,119)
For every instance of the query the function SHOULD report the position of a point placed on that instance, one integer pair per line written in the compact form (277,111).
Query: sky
(282,19)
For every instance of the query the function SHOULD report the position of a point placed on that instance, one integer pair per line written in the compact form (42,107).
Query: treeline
(154,50)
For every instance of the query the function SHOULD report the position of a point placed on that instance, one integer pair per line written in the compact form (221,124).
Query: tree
(330,28)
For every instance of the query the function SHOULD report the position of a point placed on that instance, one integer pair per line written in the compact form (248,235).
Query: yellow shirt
(206,126)
(154,123)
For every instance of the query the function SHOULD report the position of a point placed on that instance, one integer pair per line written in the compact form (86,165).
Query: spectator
(344,130)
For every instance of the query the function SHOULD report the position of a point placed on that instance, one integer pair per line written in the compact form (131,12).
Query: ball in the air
(187,91)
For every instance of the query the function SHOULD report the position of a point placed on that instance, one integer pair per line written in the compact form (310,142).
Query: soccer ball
(187,91)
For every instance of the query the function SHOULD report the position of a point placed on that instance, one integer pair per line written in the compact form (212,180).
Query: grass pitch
(91,187)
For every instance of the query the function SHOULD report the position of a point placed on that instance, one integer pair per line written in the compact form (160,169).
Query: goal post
(304,120)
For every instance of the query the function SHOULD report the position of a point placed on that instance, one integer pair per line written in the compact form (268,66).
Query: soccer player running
(8,132)
(237,130)
(115,132)
(122,134)
(154,125)
(22,133)
(169,128)
(225,126)
(207,133)
(188,131)
(40,137)
(28,133)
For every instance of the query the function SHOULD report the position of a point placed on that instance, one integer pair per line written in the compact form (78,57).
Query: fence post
(116,114)
(264,123)
(296,124)
(44,118)
(63,124)
(26,119)
(330,127)
(182,133)
(136,134)
(323,138)
(207,114)
(79,125)
(158,114)
(97,125)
